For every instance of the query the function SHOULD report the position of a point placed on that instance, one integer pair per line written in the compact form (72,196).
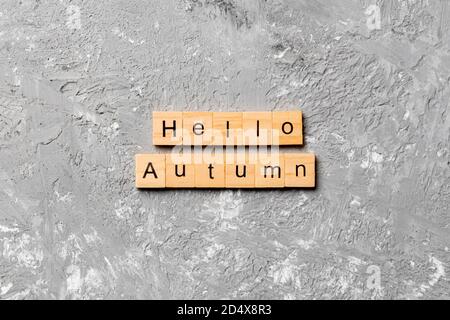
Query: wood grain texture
(150,170)
(180,171)
(300,170)
(211,172)
(227,128)
(239,173)
(162,134)
(287,128)
(270,171)
(257,128)
(197,128)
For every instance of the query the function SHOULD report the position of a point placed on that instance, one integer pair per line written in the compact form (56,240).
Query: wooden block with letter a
(150,170)
(180,170)
(300,170)
(287,128)
(167,128)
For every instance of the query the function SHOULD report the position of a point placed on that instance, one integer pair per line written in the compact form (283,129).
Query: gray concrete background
(78,83)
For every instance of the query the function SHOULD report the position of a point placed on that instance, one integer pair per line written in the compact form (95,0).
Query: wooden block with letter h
(167,128)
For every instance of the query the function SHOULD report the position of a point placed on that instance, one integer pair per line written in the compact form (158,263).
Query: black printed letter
(290,125)
(198,128)
(244,174)
(272,170)
(174,128)
(184,171)
(153,172)
(298,166)
(210,167)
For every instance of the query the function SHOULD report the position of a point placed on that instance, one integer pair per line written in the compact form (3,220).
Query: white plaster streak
(440,271)
(67,198)
(438,274)
(6,229)
(4,289)
(305,244)
(73,13)
(281,54)
(74,280)
(22,250)
(110,267)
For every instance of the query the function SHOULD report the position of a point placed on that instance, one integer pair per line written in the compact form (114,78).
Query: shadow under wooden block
(287,128)
(210,173)
(269,171)
(257,128)
(227,129)
(150,171)
(167,128)
(239,171)
(300,170)
(180,171)
(197,128)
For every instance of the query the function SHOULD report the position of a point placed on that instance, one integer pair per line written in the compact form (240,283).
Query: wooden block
(287,128)
(167,128)
(210,173)
(269,171)
(239,172)
(257,128)
(197,128)
(300,170)
(227,128)
(180,170)
(150,171)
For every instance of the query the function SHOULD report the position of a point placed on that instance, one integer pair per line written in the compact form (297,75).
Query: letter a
(150,165)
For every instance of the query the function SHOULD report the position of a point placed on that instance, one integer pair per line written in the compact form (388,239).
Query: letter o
(290,124)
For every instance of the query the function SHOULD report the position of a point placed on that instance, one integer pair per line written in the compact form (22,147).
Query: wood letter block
(227,128)
(197,128)
(210,173)
(180,170)
(167,128)
(239,172)
(270,171)
(287,128)
(150,171)
(257,128)
(300,170)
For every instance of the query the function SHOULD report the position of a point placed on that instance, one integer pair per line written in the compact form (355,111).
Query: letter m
(272,171)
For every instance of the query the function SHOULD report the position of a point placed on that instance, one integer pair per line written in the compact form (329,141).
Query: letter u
(182,174)
(244,173)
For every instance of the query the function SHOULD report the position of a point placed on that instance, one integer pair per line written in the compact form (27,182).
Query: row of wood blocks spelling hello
(227,128)
(225,170)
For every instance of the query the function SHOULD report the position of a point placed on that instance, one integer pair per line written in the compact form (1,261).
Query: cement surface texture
(78,83)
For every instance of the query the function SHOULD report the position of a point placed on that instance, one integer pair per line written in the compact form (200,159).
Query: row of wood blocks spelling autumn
(228,170)
(227,128)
